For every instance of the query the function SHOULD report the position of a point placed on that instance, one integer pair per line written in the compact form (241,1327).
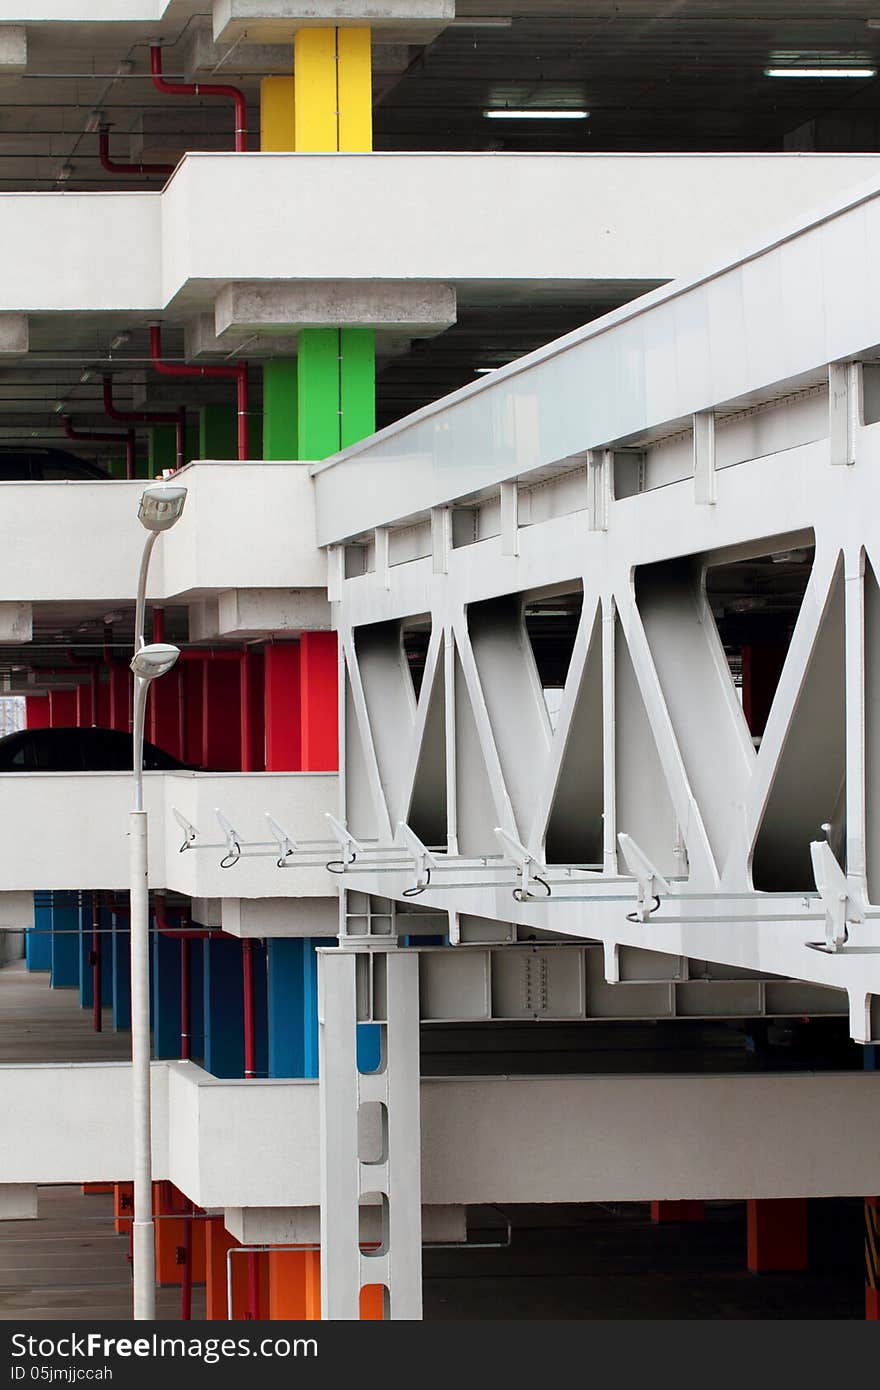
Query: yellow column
(334,90)
(277,98)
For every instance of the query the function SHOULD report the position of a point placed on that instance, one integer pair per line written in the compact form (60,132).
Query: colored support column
(663,1212)
(197,1000)
(224,1007)
(166,996)
(252,678)
(62,709)
(218,432)
(333,104)
(282,707)
(86,962)
(120,697)
(65,941)
(293,1007)
(193,676)
(162,450)
(336,389)
(163,713)
(280,410)
(170,1207)
(121,973)
(872,1259)
(295,1285)
(36,712)
(777,1234)
(221,717)
(218,1242)
(319,673)
(38,939)
(277,126)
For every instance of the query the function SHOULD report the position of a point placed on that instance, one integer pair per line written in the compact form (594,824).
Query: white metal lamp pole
(161,505)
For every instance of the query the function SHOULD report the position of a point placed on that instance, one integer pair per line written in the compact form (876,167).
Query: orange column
(295,1289)
(217,1242)
(168,1206)
(777,1234)
(123,1205)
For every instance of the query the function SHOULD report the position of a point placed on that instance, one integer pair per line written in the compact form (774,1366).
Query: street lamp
(160,507)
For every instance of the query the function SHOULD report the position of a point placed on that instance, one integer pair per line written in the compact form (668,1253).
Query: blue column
(261,1008)
(65,941)
(86,989)
(197,1000)
(166,995)
(224,1007)
(38,941)
(121,973)
(292,989)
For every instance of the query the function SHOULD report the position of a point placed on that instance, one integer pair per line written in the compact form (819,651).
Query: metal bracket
(190,834)
(646,874)
(233,841)
(425,861)
(842,900)
(346,841)
(527,866)
(286,846)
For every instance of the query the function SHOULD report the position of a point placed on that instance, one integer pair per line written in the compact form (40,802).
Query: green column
(280,413)
(336,387)
(163,450)
(218,432)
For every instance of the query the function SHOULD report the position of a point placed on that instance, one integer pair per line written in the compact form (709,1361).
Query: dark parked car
(46,466)
(77,750)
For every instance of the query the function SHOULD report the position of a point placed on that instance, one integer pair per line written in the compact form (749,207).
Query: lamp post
(160,507)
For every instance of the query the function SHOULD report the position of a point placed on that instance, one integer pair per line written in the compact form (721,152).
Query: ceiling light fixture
(535,113)
(121,340)
(487,22)
(862,72)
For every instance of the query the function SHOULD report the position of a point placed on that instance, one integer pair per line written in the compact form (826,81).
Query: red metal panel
(120,697)
(221,717)
(36,711)
(62,709)
(163,713)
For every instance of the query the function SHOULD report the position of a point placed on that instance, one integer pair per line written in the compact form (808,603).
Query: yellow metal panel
(316,120)
(276,113)
(355,89)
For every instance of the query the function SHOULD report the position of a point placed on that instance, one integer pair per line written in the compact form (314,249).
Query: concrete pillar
(65,941)
(282,707)
(777,1234)
(38,939)
(223,1007)
(663,1212)
(166,996)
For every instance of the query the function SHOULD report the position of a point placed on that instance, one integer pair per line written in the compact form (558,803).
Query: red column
(36,709)
(104,705)
(163,713)
(120,697)
(221,716)
(777,1234)
(62,709)
(319,673)
(872,1259)
(253,725)
(193,679)
(84,714)
(662,1212)
(282,707)
(761,669)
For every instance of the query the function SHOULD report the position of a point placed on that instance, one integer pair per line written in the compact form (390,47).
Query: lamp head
(161,505)
(154,660)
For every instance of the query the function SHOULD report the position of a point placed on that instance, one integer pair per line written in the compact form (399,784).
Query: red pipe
(148,417)
(95,436)
(97,1017)
(113,167)
(238,372)
(203,89)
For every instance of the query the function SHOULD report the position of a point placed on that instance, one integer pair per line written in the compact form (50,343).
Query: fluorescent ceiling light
(487,22)
(535,113)
(820,72)
(485,371)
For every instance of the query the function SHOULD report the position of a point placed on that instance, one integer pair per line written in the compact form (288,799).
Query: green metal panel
(218,432)
(280,410)
(357,385)
(162,450)
(318,383)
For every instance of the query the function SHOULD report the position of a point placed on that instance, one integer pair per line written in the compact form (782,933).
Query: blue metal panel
(65,941)
(197,1000)
(293,1011)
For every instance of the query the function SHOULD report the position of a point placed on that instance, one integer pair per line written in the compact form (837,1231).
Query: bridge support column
(777,1234)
